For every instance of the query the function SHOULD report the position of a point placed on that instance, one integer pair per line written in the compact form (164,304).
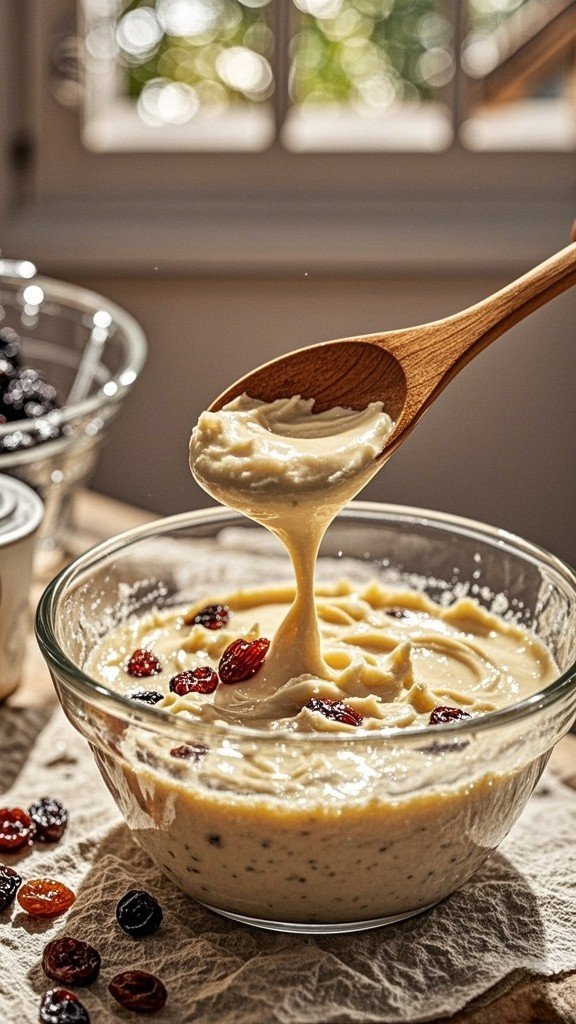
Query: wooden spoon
(405,369)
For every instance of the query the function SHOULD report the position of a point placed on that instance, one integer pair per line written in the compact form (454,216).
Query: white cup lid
(21,510)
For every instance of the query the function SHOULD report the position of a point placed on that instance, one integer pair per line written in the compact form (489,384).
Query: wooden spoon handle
(480,324)
(432,355)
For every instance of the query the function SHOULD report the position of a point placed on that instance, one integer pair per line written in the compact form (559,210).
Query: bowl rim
(159,720)
(86,301)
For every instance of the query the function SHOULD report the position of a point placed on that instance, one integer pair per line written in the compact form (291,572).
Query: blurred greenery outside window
(329,75)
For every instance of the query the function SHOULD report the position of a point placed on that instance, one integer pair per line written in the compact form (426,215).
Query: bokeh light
(188,57)
(370,54)
(139,33)
(184,57)
(163,102)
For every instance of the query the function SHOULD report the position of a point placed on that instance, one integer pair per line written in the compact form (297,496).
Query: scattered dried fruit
(242,659)
(43,897)
(143,663)
(190,752)
(213,616)
(59,1006)
(147,696)
(50,818)
(71,961)
(10,882)
(138,991)
(440,716)
(138,913)
(16,829)
(194,680)
(336,710)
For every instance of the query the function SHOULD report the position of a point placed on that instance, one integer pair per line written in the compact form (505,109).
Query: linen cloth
(516,918)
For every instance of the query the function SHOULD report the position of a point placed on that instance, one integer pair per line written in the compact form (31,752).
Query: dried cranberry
(147,696)
(10,882)
(16,829)
(213,616)
(138,991)
(71,961)
(242,659)
(138,913)
(59,1006)
(187,752)
(440,716)
(194,680)
(50,819)
(143,663)
(336,710)
(43,897)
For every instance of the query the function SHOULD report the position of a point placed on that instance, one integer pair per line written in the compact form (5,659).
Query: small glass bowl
(325,832)
(92,352)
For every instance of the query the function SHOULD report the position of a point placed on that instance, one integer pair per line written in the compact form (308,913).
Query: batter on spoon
(291,470)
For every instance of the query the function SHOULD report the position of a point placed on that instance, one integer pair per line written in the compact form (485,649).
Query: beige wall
(7,120)
(498,445)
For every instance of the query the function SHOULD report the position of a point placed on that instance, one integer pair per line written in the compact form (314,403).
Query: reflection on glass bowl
(91,352)
(314,832)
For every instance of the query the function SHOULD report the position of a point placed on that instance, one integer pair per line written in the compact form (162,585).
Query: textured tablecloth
(517,917)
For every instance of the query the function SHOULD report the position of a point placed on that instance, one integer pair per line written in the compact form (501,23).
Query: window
(328,75)
(352,135)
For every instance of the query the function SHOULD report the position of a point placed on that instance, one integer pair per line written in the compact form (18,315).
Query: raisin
(194,680)
(10,882)
(50,819)
(43,897)
(190,752)
(138,991)
(242,659)
(440,715)
(59,1006)
(143,663)
(213,616)
(147,696)
(71,961)
(16,829)
(336,710)
(138,913)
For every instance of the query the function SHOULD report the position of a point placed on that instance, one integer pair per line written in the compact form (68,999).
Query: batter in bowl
(307,836)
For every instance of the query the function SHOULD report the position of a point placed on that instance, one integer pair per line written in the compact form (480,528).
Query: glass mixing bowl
(91,352)
(318,832)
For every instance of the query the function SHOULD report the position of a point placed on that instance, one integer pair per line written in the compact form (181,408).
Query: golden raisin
(43,897)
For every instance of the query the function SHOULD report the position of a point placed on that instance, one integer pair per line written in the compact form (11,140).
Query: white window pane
(178,74)
(371,74)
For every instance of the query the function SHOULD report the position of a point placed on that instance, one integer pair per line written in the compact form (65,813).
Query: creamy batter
(300,832)
(293,471)
(393,656)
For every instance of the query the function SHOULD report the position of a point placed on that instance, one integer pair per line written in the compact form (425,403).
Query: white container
(21,512)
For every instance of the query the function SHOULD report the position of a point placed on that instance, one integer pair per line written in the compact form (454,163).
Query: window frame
(267,212)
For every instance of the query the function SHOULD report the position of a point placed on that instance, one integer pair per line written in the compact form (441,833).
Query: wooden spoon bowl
(406,369)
